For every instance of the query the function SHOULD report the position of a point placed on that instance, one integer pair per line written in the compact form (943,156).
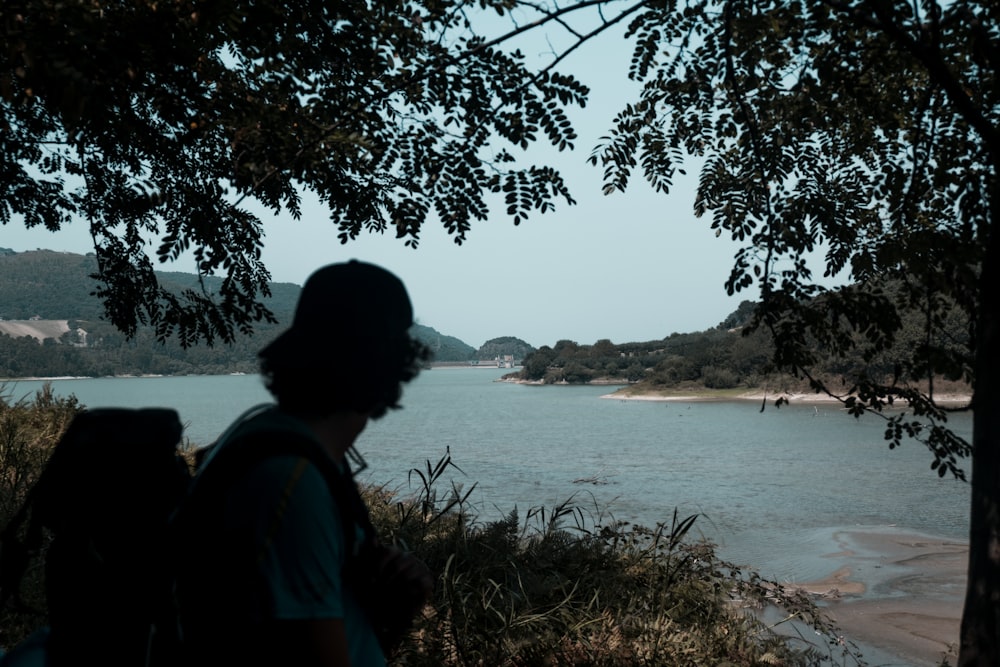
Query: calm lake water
(771,487)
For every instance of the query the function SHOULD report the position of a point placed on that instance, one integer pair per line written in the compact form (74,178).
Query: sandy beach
(759,397)
(897,592)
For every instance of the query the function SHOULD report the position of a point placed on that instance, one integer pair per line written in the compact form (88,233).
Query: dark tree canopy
(840,132)
(157,123)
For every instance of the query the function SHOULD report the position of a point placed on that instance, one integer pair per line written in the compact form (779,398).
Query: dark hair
(368,377)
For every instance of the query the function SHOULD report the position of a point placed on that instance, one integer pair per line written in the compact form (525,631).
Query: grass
(564,586)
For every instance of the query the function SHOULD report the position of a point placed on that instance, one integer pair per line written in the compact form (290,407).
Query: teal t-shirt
(284,508)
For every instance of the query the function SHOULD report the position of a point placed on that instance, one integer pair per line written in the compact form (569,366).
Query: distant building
(499,361)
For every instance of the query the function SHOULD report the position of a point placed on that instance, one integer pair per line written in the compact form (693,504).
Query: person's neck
(337,432)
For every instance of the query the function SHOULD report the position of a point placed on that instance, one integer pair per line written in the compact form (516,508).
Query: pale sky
(632,266)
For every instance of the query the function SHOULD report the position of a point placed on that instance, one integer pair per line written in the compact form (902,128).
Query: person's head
(349,346)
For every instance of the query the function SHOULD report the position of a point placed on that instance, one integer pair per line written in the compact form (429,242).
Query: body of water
(771,487)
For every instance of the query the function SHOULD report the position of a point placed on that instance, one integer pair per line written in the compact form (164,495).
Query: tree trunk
(980,639)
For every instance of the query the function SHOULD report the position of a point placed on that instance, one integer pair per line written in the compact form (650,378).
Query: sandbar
(761,397)
(897,592)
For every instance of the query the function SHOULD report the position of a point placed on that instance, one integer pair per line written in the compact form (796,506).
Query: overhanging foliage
(157,124)
(848,146)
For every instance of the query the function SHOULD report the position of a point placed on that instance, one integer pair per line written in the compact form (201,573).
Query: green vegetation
(716,359)
(29,430)
(53,285)
(560,586)
(503,346)
(444,348)
(737,356)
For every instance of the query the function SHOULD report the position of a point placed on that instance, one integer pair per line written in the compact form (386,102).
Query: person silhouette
(282,565)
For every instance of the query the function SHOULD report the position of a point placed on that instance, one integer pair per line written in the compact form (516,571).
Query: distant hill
(49,285)
(445,348)
(505,346)
(450,349)
(48,296)
(57,285)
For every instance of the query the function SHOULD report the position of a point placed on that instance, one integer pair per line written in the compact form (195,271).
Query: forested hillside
(503,346)
(732,355)
(444,348)
(46,284)
(718,358)
(57,286)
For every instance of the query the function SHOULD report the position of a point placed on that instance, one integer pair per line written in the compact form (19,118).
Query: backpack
(109,498)
(99,513)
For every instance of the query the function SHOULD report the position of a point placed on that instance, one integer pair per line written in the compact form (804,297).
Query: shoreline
(897,593)
(792,398)
(624,392)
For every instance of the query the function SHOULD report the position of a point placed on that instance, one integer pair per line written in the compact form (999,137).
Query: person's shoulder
(269,435)
(262,451)
(274,423)
(281,450)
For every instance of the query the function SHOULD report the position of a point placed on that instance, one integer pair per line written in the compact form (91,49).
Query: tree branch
(929,54)
(555,16)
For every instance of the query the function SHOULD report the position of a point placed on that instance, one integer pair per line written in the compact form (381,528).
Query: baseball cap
(351,302)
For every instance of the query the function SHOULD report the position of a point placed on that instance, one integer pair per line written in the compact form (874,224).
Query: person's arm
(310,643)
(402,586)
(300,556)
(404,572)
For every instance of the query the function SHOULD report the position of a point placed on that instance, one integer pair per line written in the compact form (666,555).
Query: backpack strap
(204,455)
(247,450)
(244,445)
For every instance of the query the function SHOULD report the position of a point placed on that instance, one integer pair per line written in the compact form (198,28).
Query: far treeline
(58,286)
(734,355)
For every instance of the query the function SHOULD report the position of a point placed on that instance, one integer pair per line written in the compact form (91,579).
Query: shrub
(567,587)
(716,377)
